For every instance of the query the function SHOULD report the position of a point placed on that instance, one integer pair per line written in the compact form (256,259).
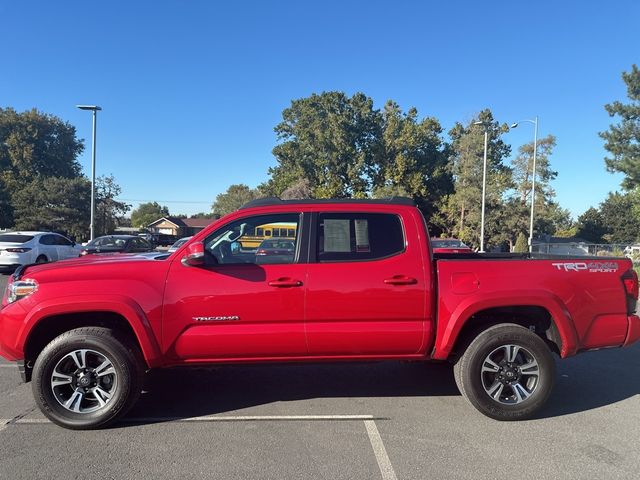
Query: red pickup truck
(360,282)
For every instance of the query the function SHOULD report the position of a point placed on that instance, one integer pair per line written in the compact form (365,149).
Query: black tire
(473,383)
(42,259)
(127,364)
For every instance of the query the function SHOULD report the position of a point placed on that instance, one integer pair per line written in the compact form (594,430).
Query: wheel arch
(545,315)
(47,322)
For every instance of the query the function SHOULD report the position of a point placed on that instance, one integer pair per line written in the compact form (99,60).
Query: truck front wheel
(86,378)
(507,372)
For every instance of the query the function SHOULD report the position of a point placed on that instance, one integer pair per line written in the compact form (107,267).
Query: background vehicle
(178,244)
(277,250)
(23,248)
(449,245)
(362,284)
(253,237)
(117,244)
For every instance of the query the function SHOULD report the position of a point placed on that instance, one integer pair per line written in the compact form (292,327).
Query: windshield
(14,238)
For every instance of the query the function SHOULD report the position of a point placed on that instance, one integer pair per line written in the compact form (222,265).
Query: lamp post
(94,109)
(484,180)
(533,175)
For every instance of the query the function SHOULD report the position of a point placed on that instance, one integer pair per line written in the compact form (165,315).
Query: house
(179,227)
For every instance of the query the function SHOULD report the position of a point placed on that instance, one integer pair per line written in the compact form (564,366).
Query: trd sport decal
(606,267)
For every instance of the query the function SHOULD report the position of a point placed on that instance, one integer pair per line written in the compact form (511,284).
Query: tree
(34,145)
(330,140)
(147,213)
(412,159)
(301,189)
(54,203)
(109,211)
(521,244)
(622,140)
(619,213)
(461,215)
(231,200)
(6,208)
(591,226)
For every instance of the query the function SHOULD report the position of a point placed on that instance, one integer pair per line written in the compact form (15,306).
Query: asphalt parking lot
(390,420)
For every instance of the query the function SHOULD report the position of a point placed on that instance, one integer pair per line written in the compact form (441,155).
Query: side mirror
(195,255)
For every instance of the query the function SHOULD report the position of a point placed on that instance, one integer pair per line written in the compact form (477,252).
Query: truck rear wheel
(507,372)
(87,378)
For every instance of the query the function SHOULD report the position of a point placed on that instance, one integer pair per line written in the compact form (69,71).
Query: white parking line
(213,418)
(386,469)
(380,452)
(4,365)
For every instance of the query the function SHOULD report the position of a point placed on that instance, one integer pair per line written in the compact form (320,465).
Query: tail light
(630,281)
(18,250)
(260,251)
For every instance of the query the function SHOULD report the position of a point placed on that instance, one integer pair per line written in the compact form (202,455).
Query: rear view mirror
(195,255)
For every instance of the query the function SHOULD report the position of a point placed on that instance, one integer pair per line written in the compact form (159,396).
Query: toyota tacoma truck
(355,280)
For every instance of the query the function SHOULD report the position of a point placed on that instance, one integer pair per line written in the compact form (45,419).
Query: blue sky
(191,90)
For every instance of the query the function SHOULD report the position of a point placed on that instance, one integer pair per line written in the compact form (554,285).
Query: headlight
(21,289)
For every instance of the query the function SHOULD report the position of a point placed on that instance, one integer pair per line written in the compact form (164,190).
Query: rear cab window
(358,236)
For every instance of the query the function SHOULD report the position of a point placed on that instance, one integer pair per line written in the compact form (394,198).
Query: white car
(22,248)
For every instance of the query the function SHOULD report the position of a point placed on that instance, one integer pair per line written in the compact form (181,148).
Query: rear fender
(449,329)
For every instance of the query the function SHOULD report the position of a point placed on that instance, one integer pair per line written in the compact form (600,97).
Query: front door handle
(400,280)
(285,282)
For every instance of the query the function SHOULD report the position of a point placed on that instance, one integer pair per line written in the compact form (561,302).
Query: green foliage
(521,245)
(109,211)
(231,200)
(6,208)
(147,213)
(622,140)
(620,217)
(54,203)
(33,145)
(591,226)
(300,189)
(328,139)
(342,147)
(461,215)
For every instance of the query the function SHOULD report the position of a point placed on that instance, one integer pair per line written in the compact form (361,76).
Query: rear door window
(344,237)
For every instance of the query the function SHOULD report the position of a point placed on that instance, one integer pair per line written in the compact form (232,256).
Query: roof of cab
(264,202)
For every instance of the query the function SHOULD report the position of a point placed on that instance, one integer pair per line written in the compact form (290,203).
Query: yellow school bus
(282,230)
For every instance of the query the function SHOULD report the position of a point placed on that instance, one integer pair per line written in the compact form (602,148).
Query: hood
(102,259)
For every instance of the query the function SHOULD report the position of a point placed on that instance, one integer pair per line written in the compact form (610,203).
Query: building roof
(184,222)
(550,239)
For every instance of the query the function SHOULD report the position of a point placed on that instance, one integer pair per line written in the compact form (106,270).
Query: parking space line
(214,418)
(10,365)
(386,469)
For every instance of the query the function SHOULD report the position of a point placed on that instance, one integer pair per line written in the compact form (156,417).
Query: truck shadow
(585,382)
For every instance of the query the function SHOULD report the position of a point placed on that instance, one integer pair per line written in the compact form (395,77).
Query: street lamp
(484,179)
(94,109)
(533,180)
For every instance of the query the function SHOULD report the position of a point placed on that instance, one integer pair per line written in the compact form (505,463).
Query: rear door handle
(285,282)
(400,280)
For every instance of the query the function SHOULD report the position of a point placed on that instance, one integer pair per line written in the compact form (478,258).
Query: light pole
(533,175)
(484,180)
(94,109)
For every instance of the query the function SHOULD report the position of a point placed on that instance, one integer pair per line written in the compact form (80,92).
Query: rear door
(47,246)
(365,286)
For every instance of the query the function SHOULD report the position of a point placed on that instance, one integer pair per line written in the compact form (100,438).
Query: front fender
(118,304)
(450,328)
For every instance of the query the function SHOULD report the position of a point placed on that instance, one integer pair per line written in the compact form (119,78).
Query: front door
(247,302)
(366,287)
